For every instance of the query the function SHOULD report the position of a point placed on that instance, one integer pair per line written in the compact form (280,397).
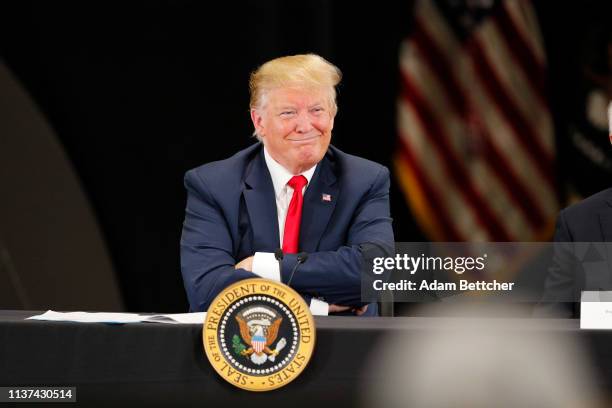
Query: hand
(357,310)
(360,310)
(338,308)
(246,263)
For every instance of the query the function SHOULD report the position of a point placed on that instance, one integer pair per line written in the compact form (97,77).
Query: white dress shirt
(264,263)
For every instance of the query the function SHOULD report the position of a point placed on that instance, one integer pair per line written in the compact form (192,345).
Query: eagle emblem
(259,327)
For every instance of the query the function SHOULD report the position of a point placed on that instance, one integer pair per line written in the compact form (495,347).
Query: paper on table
(596,310)
(108,317)
(85,317)
(177,318)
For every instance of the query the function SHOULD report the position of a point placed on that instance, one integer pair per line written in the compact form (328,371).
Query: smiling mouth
(303,139)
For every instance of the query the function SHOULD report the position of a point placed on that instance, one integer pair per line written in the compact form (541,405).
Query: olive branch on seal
(237,345)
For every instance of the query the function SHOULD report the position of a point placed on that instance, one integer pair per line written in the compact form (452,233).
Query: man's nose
(303,124)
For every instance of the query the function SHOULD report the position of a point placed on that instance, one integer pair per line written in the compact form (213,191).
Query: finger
(361,310)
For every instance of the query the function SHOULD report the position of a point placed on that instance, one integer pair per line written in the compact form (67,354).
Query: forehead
(294,96)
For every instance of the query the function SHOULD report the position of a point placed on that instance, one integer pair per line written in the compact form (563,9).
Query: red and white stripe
(475,131)
(258,346)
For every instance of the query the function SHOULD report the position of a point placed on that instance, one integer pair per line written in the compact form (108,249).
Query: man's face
(295,125)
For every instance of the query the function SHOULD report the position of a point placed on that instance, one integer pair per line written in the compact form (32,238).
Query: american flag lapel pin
(326,197)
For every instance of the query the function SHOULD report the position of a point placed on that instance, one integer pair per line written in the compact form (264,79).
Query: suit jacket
(231,214)
(581,259)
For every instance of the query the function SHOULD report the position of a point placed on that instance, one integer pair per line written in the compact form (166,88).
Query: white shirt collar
(280,175)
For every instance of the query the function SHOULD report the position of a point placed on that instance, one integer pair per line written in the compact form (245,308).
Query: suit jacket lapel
(319,203)
(261,205)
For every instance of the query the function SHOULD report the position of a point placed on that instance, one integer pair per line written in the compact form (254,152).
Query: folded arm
(336,275)
(207,263)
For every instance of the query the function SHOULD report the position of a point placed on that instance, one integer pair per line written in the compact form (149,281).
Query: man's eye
(318,110)
(287,113)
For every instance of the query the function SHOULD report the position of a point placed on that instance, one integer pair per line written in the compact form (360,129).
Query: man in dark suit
(582,256)
(292,190)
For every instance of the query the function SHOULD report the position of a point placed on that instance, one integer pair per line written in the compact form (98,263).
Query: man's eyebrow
(287,106)
(314,105)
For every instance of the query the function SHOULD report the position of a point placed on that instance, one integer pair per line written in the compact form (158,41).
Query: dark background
(140,92)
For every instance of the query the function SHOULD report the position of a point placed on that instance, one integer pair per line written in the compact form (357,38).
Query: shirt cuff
(266,266)
(319,307)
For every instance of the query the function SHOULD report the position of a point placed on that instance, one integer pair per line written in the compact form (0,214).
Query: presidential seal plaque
(259,334)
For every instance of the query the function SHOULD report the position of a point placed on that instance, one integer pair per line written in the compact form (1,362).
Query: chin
(310,156)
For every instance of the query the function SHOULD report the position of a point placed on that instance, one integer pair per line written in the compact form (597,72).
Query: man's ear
(257,120)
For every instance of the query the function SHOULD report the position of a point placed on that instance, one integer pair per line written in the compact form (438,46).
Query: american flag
(476,149)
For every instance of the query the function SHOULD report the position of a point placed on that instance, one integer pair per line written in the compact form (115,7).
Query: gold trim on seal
(267,378)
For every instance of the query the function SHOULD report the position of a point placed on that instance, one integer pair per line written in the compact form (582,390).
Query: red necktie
(291,235)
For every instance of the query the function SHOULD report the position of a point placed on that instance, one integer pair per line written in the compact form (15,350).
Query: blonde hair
(306,70)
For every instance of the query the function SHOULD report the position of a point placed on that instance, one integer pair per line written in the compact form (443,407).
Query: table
(157,364)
